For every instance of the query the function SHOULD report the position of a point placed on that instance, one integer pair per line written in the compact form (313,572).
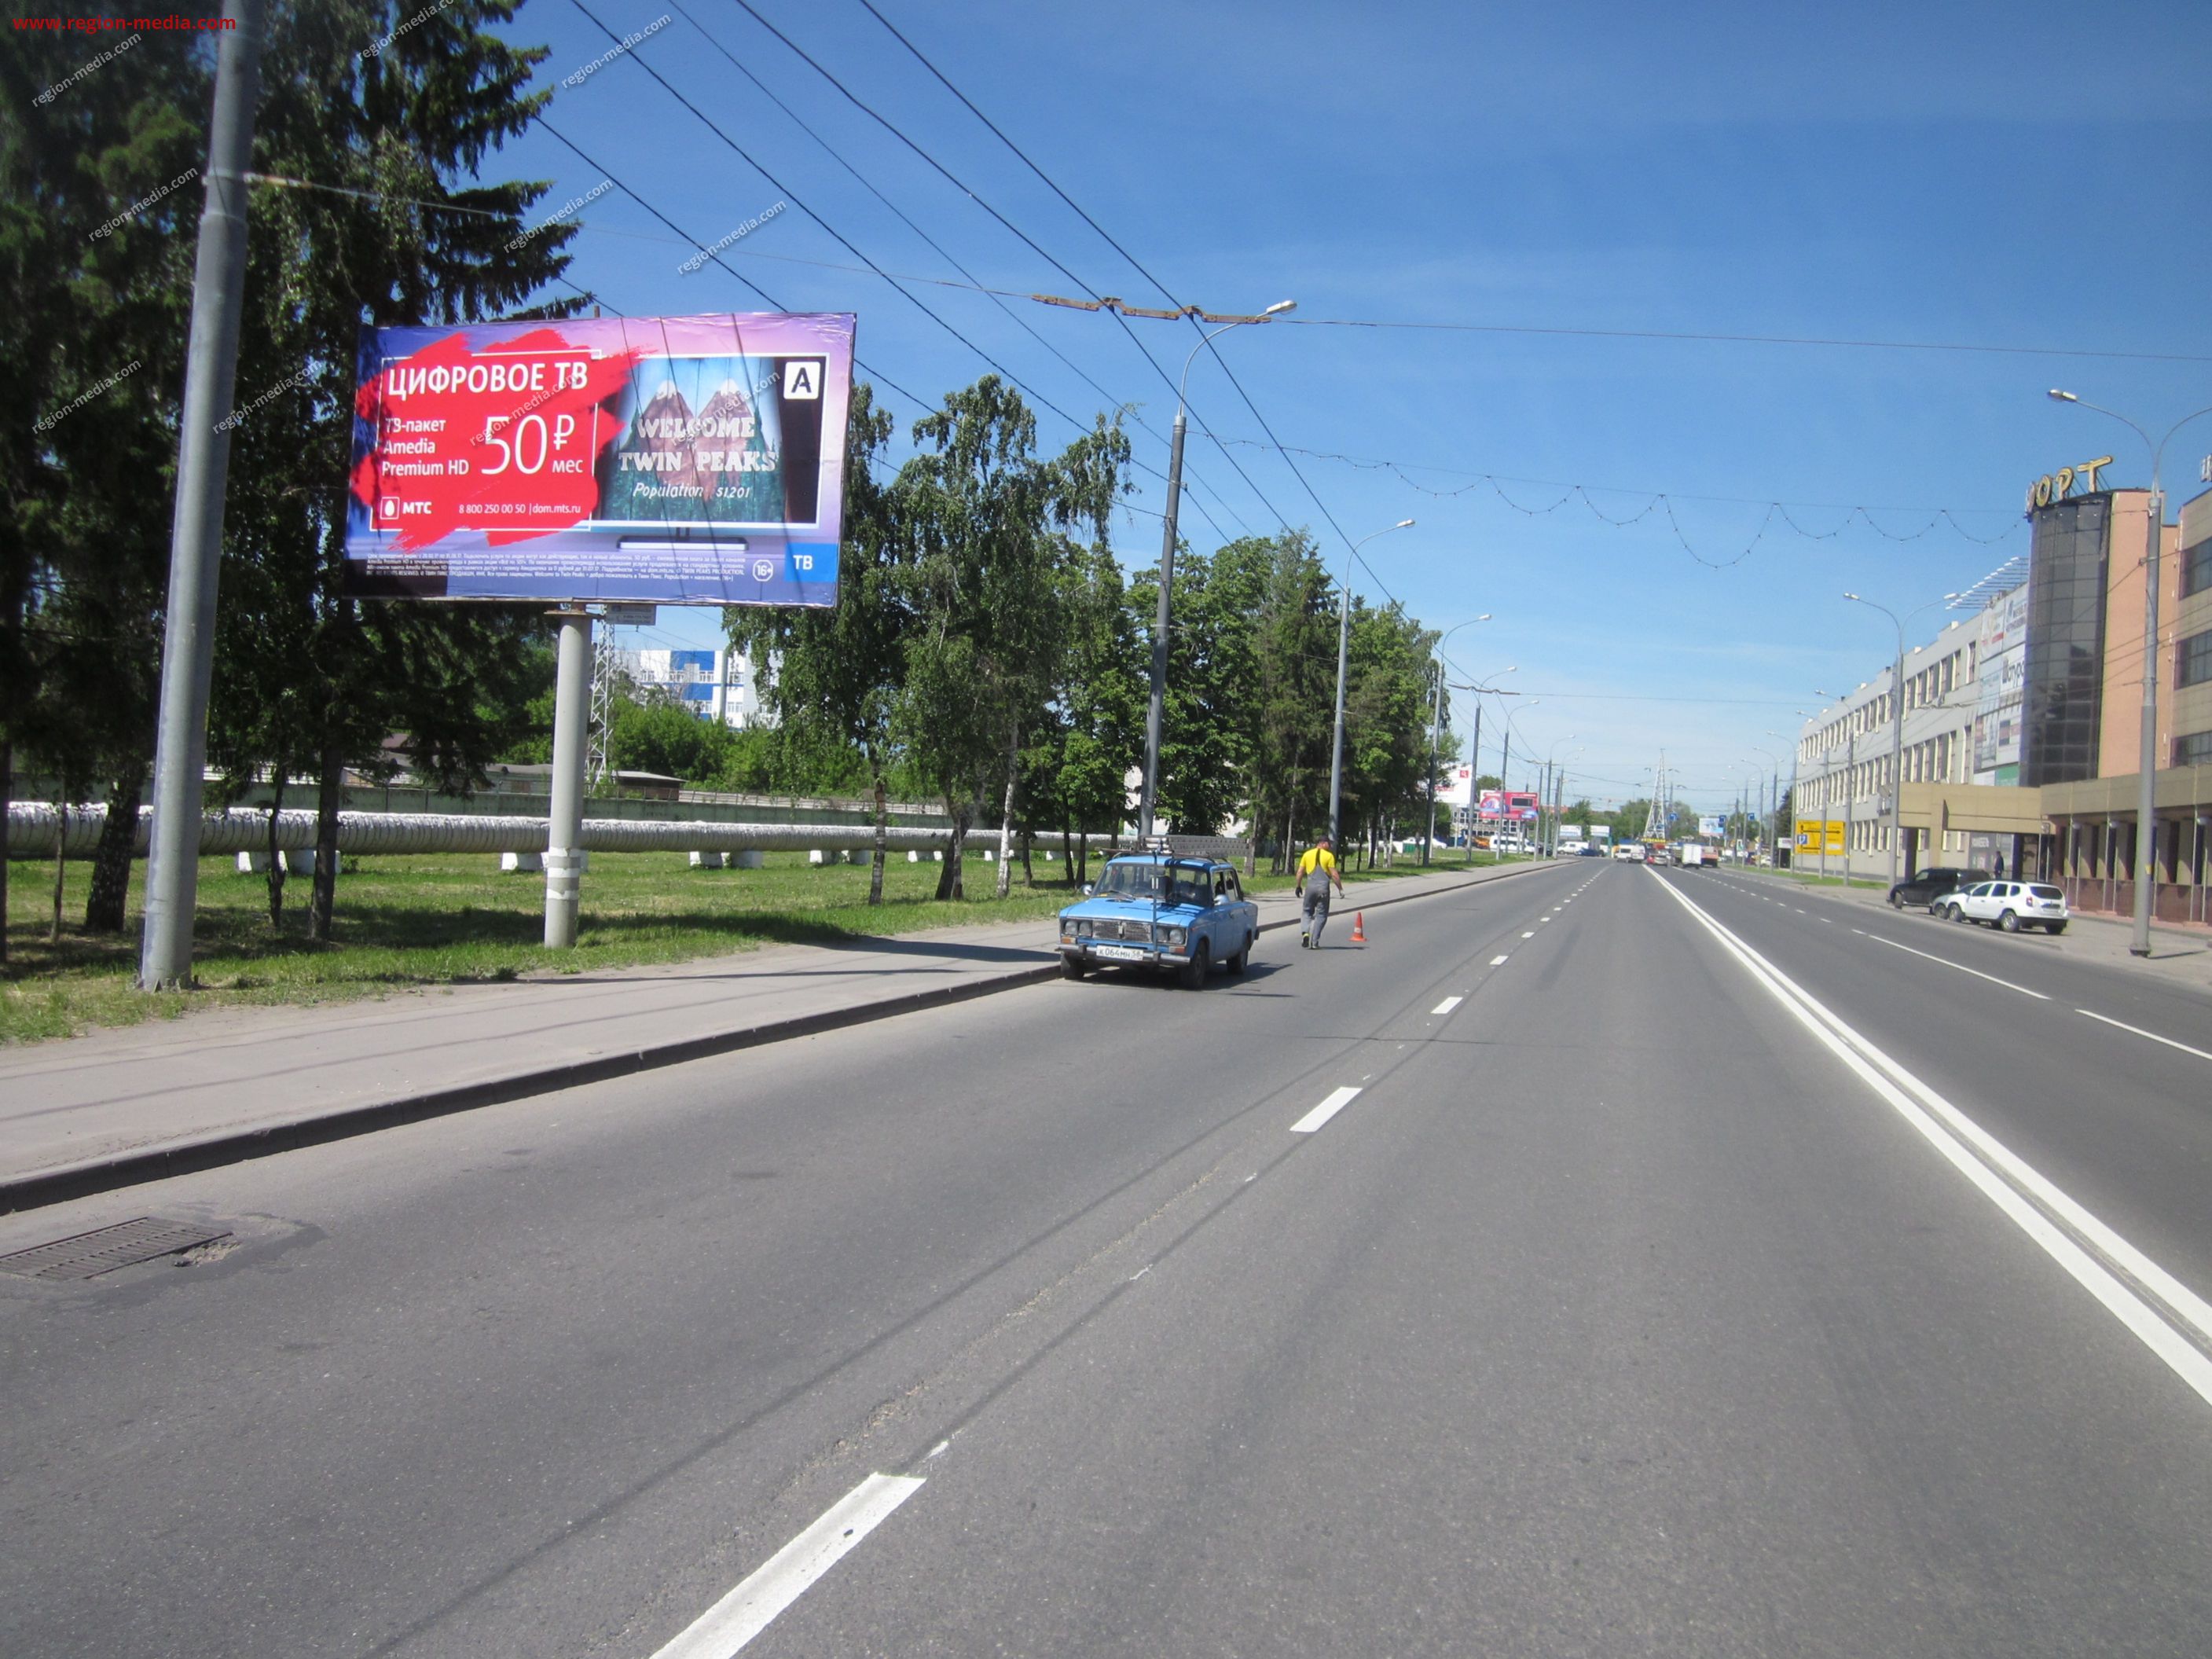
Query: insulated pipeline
(31,829)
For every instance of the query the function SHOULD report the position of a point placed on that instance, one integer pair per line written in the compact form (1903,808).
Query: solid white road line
(748,1610)
(2139,1031)
(1496,961)
(1960,966)
(1447,1005)
(1322,1113)
(2009,1191)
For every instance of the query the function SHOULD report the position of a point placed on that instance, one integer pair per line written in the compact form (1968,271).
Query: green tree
(834,673)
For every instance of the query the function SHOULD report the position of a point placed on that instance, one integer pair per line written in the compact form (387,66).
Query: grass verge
(431,920)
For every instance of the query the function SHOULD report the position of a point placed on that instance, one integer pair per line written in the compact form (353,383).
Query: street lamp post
(1343,648)
(2147,797)
(1159,705)
(1437,732)
(1897,730)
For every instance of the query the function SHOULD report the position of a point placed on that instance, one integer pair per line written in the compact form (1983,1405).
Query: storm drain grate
(106,1248)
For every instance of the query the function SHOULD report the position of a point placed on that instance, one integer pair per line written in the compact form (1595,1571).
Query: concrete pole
(164,959)
(1157,709)
(2147,797)
(572,702)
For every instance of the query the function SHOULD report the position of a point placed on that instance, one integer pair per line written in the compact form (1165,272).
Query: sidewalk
(112,1107)
(2180,956)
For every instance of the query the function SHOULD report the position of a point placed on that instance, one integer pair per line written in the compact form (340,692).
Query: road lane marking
(1447,1005)
(2139,1031)
(1496,961)
(1327,1109)
(750,1608)
(1527,936)
(2172,1330)
(1960,966)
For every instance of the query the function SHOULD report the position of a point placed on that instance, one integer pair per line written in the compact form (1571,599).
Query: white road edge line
(1447,1005)
(1951,1138)
(2139,1031)
(1327,1109)
(1496,960)
(749,1609)
(1961,967)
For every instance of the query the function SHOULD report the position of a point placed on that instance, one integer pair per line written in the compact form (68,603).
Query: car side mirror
(1086,890)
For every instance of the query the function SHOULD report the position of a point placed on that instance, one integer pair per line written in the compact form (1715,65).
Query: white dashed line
(750,1608)
(2140,1032)
(1961,967)
(1528,935)
(1496,960)
(1447,1005)
(1327,1109)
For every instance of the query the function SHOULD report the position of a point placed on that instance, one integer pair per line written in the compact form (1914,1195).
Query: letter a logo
(802,381)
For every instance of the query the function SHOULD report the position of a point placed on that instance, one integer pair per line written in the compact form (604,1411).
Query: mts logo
(410,509)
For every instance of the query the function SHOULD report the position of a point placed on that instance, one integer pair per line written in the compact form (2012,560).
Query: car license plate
(1122,953)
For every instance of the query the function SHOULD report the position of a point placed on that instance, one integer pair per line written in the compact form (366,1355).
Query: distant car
(1937,882)
(1156,910)
(1630,851)
(2008,905)
(1590,849)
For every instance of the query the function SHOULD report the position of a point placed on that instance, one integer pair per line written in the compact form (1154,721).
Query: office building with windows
(716,684)
(2023,727)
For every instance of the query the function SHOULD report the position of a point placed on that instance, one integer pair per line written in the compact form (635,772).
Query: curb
(213,1151)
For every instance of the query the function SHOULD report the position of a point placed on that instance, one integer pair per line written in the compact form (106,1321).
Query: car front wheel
(1897,901)
(1193,973)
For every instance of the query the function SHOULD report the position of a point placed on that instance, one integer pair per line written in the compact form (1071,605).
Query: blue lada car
(1155,910)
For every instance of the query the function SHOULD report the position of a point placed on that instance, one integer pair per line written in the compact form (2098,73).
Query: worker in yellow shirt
(1316,872)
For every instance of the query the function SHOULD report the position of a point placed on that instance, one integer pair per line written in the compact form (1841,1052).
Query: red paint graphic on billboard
(506,441)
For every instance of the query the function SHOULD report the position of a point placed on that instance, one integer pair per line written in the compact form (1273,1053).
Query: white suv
(2010,905)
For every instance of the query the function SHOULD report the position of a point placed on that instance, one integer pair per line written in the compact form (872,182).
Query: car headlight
(1172,938)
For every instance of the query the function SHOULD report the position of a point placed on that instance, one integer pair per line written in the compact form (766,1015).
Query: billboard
(1458,789)
(1710,827)
(2001,677)
(677,460)
(1501,804)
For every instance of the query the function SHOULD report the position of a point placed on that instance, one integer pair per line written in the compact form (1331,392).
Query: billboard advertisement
(1458,789)
(676,460)
(1520,805)
(2001,682)
(1709,826)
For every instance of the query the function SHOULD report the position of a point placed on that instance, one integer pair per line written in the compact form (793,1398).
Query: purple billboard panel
(668,460)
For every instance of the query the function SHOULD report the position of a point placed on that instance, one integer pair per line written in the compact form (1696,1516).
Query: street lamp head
(1403,524)
(2062,397)
(1279,308)
(1854,596)
(1484,617)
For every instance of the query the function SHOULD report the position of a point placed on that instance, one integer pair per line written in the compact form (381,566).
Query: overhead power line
(1027,241)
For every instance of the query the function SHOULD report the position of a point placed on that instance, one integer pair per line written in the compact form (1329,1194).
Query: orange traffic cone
(1359,927)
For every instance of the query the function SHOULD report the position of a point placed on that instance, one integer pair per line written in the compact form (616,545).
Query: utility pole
(165,960)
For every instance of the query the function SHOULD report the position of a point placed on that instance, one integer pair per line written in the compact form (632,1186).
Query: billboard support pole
(165,958)
(572,702)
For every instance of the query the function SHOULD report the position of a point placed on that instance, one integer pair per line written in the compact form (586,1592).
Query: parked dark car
(1935,882)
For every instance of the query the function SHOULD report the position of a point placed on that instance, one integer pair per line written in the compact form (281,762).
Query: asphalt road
(1625,1306)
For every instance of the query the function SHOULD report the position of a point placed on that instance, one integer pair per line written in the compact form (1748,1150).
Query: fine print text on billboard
(670,460)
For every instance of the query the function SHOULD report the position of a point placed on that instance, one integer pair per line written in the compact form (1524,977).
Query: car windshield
(1171,884)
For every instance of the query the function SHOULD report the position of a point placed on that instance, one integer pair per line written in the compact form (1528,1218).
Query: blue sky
(1999,175)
